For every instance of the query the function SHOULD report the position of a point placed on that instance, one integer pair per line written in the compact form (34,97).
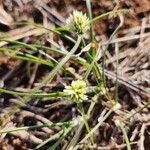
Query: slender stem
(31,94)
(79,131)
(40,94)
(35,127)
(108,13)
(95,128)
(125,135)
(48,78)
(117,63)
(66,131)
(85,121)
(88,4)
(51,30)
(51,138)
(138,111)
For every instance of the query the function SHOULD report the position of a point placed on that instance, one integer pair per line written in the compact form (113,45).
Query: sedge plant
(77,93)
(34,47)
(80,24)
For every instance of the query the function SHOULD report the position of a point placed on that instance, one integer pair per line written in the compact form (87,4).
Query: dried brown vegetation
(132,40)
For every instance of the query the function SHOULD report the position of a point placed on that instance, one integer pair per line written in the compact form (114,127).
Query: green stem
(35,127)
(117,64)
(125,135)
(41,95)
(108,13)
(95,128)
(138,111)
(54,137)
(48,78)
(32,94)
(52,74)
(83,41)
(26,57)
(66,131)
(79,131)
(88,4)
(50,30)
(85,121)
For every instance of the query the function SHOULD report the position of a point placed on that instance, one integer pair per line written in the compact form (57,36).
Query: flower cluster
(77,91)
(78,22)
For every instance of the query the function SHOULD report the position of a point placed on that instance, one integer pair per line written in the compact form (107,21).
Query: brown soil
(133,39)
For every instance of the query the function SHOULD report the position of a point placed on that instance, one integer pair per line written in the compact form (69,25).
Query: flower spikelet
(77,91)
(78,22)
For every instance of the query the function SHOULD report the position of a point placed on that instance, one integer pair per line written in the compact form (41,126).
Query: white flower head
(77,91)
(117,122)
(116,107)
(78,22)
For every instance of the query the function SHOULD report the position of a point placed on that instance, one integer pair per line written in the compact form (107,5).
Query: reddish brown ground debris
(133,77)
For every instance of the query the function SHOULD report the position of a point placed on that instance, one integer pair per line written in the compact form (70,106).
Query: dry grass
(132,42)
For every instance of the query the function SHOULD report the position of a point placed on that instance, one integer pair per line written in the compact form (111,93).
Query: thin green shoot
(76,137)
(48,78)
(108,13)
(32,94)
(117,64)
(94,129)
(121,126)
(51,138)
(80,106)
(88,4)
(35,127)
(26,57)
(66,131)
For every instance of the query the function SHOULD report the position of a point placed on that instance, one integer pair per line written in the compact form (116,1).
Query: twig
(111,146)
(126,38)
(142,138)
(128,83)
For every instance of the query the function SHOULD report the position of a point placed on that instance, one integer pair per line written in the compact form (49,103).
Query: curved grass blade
(54,137)
(26,57)
(66,131)
(88,4)
(55,30)
(19,43)
(15,129)
(95,128)
(48,78)
(31,94)
(108,13)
